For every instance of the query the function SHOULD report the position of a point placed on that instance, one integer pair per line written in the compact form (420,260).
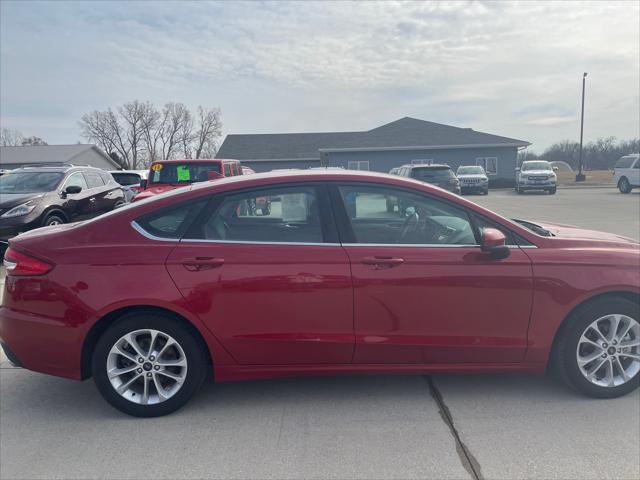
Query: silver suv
(536,175)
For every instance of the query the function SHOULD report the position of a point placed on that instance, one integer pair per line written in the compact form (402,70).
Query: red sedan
(151,298)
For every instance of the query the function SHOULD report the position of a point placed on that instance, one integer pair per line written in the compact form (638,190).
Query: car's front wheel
(53,219)
(624,186)
(598,352)
(148,365)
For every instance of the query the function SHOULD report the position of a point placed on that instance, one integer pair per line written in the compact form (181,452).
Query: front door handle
(197,264)
(383,262)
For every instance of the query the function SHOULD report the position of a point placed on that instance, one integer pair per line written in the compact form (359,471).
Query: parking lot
(379,427)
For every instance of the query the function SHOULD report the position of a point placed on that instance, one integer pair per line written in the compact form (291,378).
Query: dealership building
(401,142)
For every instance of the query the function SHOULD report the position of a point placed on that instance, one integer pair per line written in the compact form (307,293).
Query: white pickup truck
(626,173)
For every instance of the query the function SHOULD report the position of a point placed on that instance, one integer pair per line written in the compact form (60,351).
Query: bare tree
(137,132)
(208,131)
(10,138)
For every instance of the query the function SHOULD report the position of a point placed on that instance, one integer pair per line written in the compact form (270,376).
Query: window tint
(93,179)
(170,222)
(227,170)
(427,174)
(126,178)
(389,216)
(274,215)
(106,178)
(76,180)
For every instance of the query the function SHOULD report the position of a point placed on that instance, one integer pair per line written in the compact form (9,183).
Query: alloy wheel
(608,352)
(147,366)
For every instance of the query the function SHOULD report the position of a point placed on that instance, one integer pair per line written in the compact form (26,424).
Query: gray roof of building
(35,154)
(403,133)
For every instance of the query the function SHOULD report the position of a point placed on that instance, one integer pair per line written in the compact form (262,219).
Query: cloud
(509,68)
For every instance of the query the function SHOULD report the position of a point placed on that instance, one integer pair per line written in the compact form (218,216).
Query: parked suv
(33,197)
(473,178)
(165,175)
(536,175)
(439,175)
(626,173)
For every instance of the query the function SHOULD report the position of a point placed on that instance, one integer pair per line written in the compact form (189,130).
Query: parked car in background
(536,175)
(473,178)
(626,173)
(435,174)
(33,197)
(131,181)
(327,283)
(165,175)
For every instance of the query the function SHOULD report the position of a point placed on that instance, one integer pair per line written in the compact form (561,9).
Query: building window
(422,161)
(490,164)
(358,165)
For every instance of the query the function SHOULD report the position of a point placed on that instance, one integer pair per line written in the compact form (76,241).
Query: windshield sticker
(184,175)
(156,167)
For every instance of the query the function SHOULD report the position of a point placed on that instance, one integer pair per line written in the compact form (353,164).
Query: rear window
(187,172)
(126,178)
(625,162)
(431,173)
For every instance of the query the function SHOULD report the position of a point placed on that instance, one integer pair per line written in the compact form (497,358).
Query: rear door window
(94,180)
(76,180)
(271,215)
(625,162)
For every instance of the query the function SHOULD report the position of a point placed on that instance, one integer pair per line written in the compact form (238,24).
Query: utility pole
(580,177)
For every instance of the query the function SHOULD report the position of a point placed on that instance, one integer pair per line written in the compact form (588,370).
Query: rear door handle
(197,264)
(383,262)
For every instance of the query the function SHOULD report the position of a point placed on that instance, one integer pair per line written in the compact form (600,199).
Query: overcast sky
(512,69)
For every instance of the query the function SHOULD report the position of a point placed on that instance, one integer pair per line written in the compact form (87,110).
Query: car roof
(56,168)
(196,160)
(436,166)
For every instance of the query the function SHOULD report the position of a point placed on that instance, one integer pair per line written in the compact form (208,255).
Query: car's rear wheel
(624,186)
(598,353)
(148,365)
(53,219)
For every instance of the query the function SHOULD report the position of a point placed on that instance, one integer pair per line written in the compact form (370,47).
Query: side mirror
(72,189)
(494,243)
(143,183)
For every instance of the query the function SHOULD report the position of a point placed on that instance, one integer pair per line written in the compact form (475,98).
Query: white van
(626,173)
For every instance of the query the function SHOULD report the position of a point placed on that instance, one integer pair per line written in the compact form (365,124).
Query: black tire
(564,361)
(552,191)
(53,219)
(624,186)
(197,363)
(486,191)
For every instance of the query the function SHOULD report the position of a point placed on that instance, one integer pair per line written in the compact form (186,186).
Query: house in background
(33,155)
(404,141)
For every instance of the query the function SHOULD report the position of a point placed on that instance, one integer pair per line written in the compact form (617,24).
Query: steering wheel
(410,225)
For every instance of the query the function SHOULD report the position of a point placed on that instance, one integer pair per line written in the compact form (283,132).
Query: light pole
(580,177)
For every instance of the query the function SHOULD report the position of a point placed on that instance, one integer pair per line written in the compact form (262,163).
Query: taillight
(19,264)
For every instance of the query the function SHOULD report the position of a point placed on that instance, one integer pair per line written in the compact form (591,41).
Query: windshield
(29,182)
(187,172)
(472,170)
(536,166)
(431,173)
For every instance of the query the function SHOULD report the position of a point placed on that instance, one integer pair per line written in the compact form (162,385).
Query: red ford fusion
(154,297)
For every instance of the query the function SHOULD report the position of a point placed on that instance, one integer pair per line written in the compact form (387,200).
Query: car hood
(10,200)
(473,175)
(155,190)
(584,235)
(536,172)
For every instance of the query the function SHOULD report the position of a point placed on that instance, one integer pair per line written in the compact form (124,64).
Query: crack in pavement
(469,462)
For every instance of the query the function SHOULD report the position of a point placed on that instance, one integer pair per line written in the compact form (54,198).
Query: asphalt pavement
(378,427)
